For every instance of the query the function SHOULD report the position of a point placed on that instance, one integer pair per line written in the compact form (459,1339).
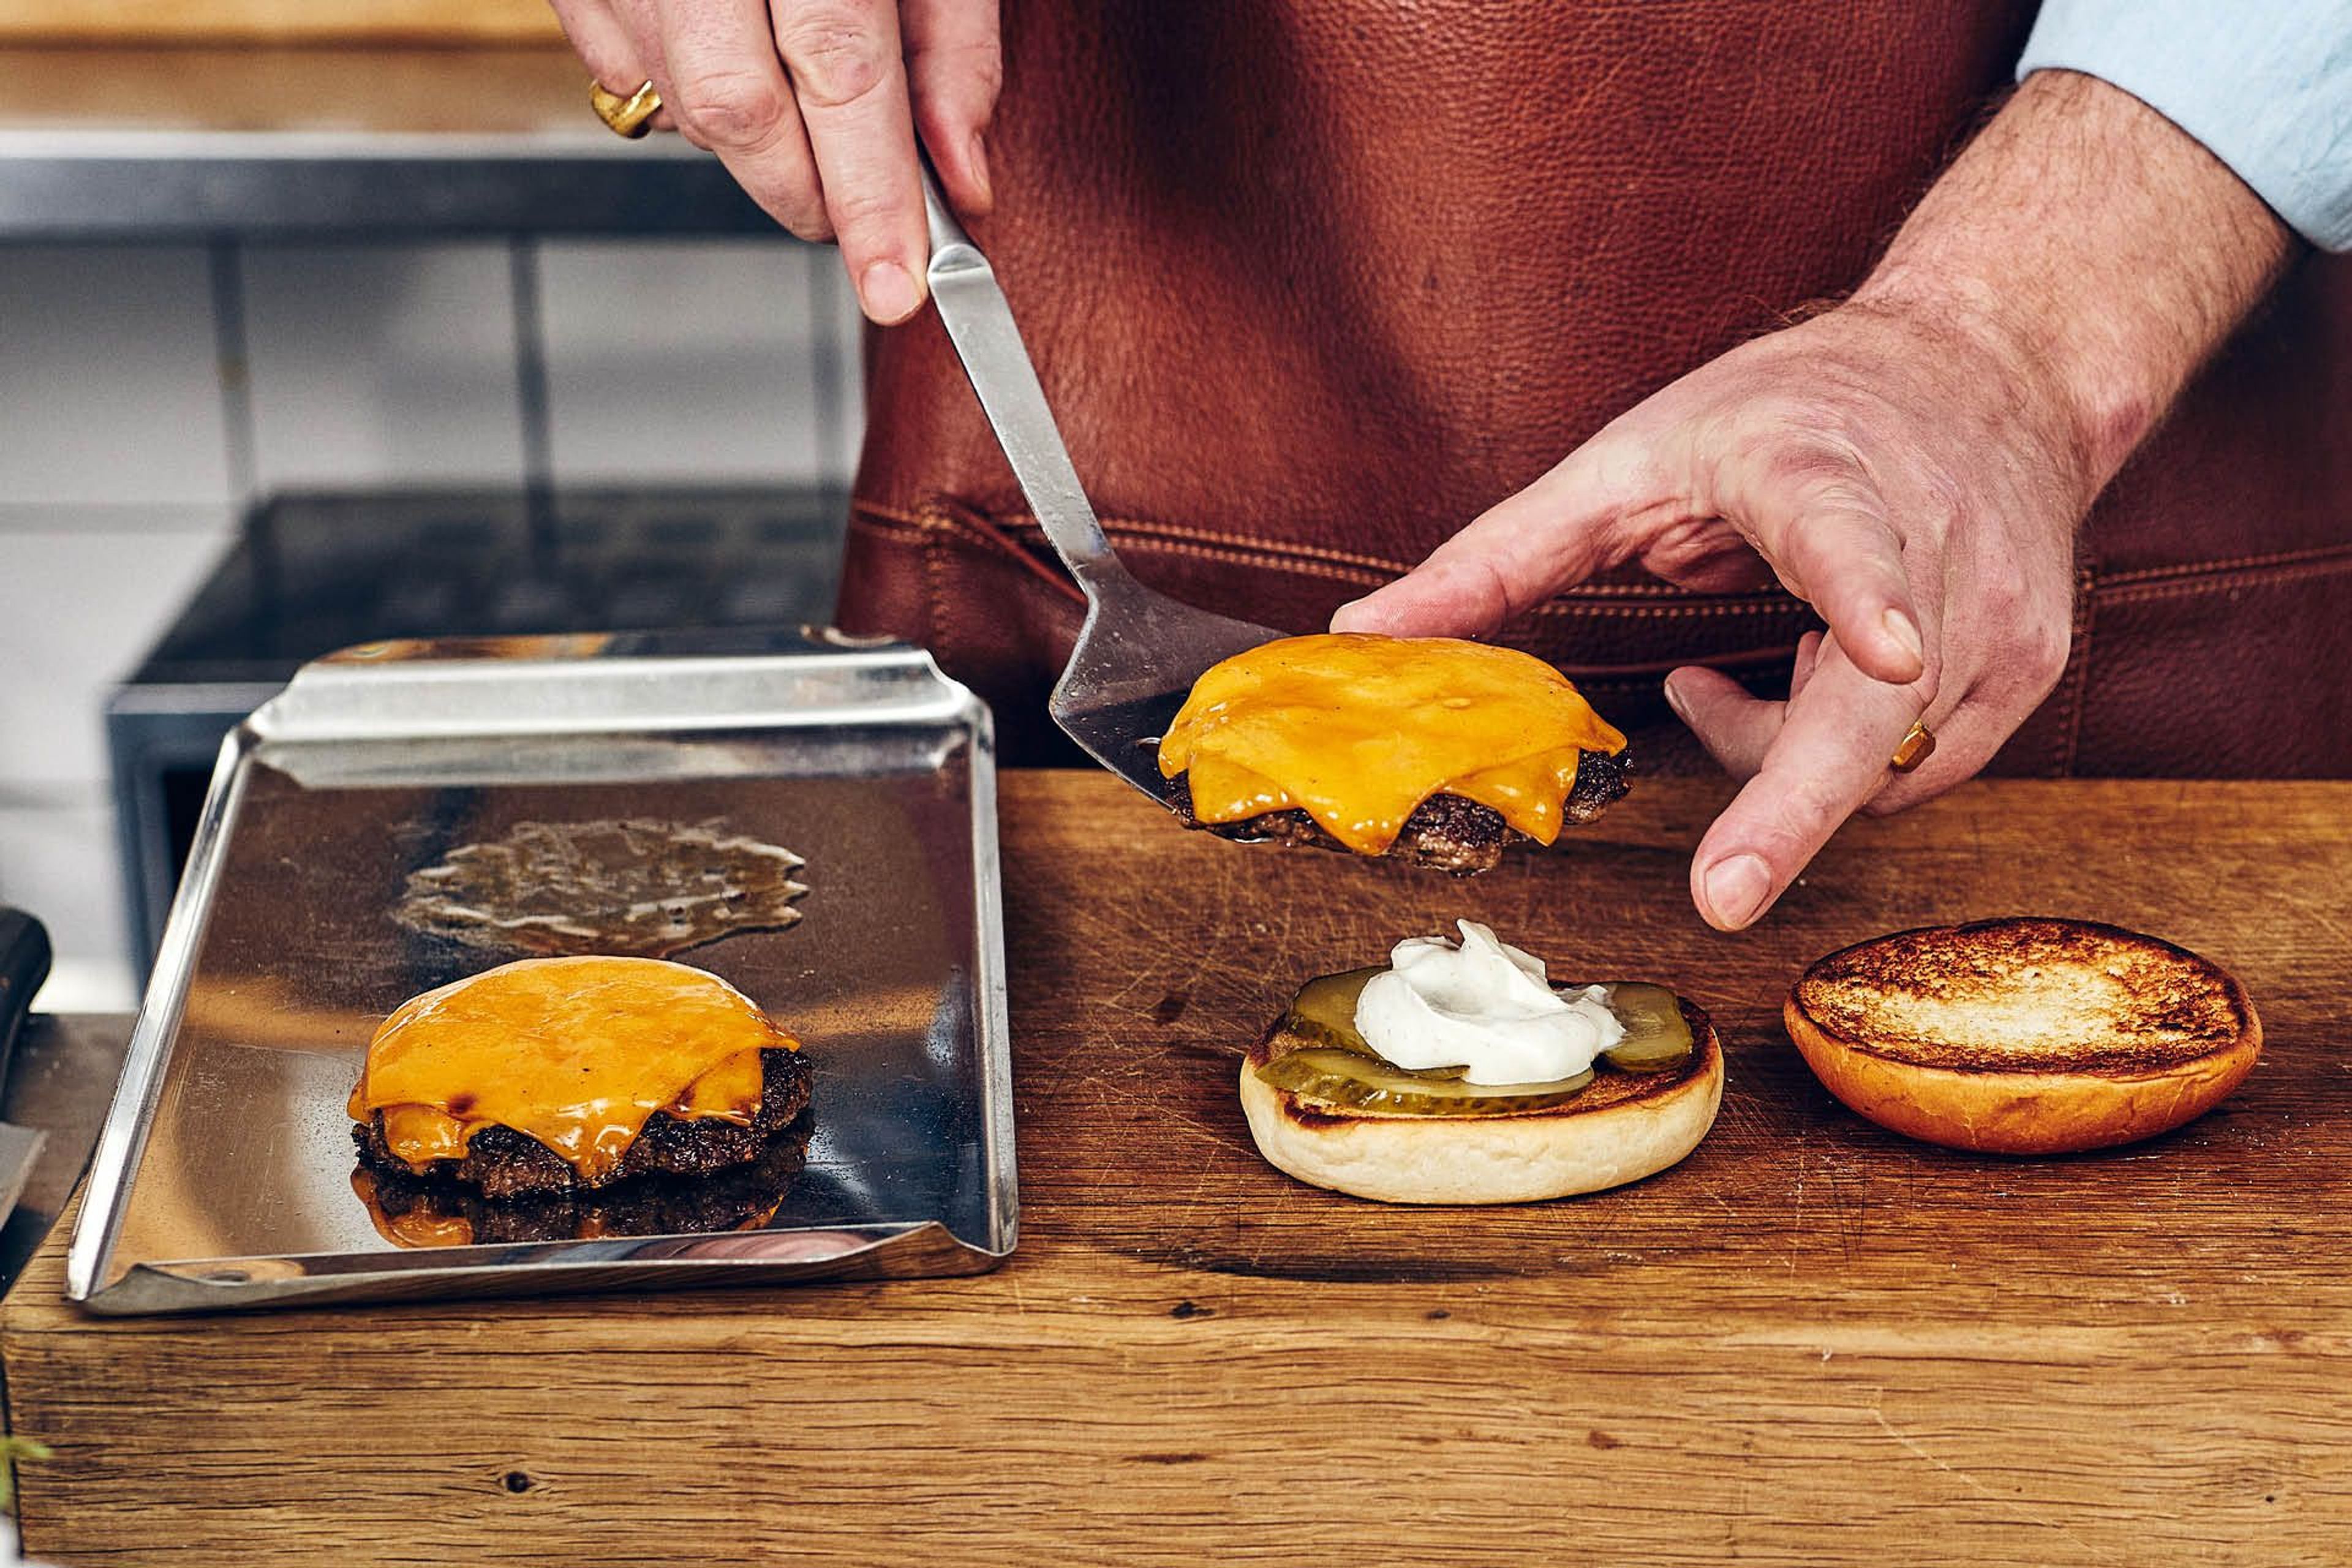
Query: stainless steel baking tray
(223,1178)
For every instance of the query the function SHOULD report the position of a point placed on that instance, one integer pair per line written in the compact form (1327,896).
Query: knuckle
(1818,467)
(733,108)
(802,214)
(1808,807)
(1903,797)
(865,205)
(1777,442)
(2045,642)
(977,67)
(987,67)
(836,53)
(2003,593)
(1488,593)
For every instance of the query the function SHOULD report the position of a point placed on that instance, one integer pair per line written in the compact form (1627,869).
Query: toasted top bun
(1620,1128)
(2024,1035)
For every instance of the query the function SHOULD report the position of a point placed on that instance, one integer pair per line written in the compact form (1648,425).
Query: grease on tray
(634,887)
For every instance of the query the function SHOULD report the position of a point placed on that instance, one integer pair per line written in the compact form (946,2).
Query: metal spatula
(1139,651)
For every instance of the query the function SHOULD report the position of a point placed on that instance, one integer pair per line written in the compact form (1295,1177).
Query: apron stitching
(973,523)
(1309,561)
(2177,587)
(1304,568)
(2155,574)
(929,541)
(1381,565)
(1563,606)
(939,529)
(2077,678)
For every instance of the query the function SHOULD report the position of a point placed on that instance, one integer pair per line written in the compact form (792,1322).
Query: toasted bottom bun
(2019,1113)
(2024,1035)
(1632,1130)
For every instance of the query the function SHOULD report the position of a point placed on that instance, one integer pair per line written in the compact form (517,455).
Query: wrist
(1996,378)
(2092,248)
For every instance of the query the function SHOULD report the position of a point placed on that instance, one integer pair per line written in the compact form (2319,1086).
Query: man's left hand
(1896,472)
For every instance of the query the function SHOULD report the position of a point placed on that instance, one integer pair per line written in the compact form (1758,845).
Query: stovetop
(311,574)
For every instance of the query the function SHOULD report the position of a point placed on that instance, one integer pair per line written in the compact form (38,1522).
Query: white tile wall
(382,365)
(58,861)
(80,601)
(108,380)
(669,360)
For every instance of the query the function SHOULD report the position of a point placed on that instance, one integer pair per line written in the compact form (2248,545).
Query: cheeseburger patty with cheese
(1433,750)
(556,1074)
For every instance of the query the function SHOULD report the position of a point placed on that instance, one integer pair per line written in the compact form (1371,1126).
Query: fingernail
(1675,701)
(1906,631)
(980,171)
(1736,889)
(1344,613)
(889,293)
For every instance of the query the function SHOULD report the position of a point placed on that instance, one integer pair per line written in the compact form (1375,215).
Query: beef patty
(1444,833)
(501,1162)
(725,1199)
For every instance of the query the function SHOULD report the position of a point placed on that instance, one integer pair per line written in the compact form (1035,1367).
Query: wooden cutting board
(1812,1342)
(276,21)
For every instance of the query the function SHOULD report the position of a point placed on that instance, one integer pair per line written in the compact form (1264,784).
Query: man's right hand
(1913,463)
(813,105)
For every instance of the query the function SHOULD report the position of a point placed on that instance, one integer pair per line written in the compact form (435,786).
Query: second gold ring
(630,115)
(1917,746)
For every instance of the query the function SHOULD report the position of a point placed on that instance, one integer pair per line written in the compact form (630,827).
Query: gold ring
(1919,743)
(632,116)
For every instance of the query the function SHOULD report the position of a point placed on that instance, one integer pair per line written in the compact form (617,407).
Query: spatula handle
(980,324)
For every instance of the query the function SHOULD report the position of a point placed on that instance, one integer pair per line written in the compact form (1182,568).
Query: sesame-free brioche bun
(2024,1035)
(1620,1128)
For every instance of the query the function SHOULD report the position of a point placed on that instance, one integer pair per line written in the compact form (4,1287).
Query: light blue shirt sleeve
(2266,85)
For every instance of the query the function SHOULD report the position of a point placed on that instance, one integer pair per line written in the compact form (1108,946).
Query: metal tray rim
(124,1137)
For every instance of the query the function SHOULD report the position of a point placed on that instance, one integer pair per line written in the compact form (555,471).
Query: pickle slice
(1657,1036)
(1323,1011)
(1354,1081)
(1322,1057)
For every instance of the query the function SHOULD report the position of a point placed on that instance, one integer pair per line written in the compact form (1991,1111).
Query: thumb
(1513,556)
(955,68)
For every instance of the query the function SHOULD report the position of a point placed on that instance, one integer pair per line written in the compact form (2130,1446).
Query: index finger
(1517,553)
(1832,754)
(848,73)
(720,75)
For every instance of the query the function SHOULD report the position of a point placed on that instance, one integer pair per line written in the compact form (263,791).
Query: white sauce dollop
(1483,1007)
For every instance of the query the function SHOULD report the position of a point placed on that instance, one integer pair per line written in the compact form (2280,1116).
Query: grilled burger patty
(645,1205)
(1444,833)
(501,1162)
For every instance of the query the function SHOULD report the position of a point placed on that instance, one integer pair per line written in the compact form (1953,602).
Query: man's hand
(1912,463)
(814,106)
(1884,467)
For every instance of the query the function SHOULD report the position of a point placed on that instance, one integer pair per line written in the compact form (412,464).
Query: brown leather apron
(1312,282)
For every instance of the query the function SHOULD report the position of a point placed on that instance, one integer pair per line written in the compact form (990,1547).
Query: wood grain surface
(539,89)
(1810,1344)
(276,21)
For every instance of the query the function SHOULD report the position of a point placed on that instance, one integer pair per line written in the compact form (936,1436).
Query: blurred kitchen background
(323,320)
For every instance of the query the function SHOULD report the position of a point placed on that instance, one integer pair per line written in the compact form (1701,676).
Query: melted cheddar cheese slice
(575,1052)
(1356,730)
